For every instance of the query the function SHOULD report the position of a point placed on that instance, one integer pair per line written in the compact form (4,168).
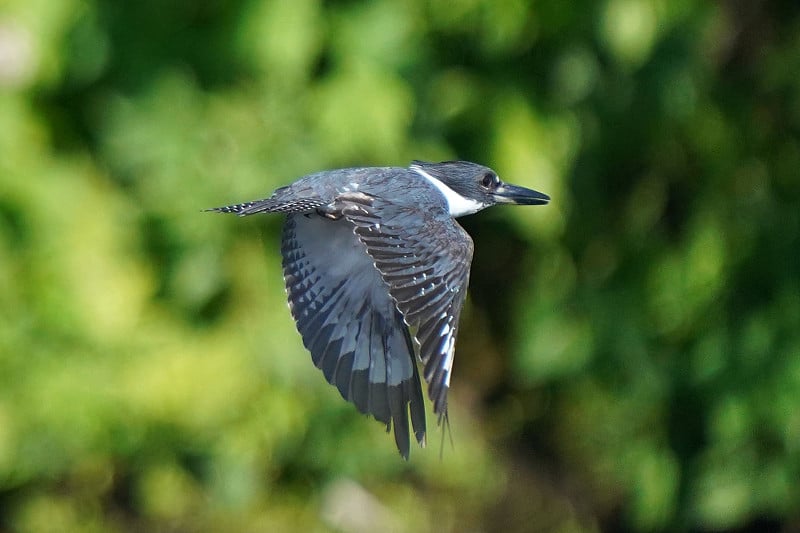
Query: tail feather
(283,200)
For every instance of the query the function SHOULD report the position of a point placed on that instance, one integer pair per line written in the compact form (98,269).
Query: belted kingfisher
(373,258)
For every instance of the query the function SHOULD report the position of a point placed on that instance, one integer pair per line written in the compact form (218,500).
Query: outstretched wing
(350,324)
(424,256)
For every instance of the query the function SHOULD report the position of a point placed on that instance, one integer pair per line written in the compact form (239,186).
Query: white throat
(457,205)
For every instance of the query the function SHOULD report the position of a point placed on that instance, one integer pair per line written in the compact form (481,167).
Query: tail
(283,200)
(246,208)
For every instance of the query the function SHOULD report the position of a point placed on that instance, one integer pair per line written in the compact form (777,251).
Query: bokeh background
(629,358)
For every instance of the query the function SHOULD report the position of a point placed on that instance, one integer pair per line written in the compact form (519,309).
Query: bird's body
(370,254)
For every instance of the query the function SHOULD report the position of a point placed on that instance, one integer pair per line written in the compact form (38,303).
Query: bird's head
(470,187)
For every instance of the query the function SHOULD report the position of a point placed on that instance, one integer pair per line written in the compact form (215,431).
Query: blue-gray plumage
(371,254)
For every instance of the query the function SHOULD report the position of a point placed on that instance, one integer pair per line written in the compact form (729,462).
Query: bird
(376,270)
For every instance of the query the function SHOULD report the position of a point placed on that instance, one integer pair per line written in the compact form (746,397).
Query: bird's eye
(490,180)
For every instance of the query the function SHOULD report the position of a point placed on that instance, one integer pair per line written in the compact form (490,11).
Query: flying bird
(374,265)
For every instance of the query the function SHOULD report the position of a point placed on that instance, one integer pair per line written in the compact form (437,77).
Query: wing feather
(351,325)
(424,256)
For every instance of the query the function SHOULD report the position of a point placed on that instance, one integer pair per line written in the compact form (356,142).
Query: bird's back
(401,185)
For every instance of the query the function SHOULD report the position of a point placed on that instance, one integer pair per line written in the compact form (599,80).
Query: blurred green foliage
(630,354)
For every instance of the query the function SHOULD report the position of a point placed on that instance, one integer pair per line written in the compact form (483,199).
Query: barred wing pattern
(425,258)
(350,324)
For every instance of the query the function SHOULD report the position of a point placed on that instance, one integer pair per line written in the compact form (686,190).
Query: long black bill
(512,194)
